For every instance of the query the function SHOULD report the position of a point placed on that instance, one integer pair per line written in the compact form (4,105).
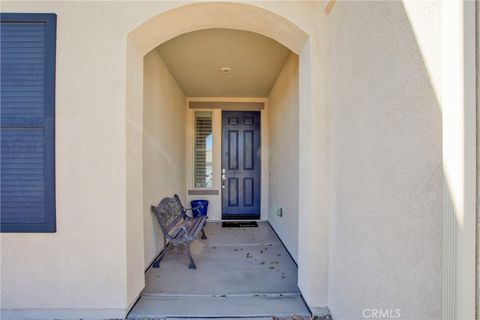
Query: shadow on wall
(386,239)
(163,146)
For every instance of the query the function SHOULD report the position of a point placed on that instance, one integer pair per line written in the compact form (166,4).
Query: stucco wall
(92,267)
(283,155)
(83,265)
(163,146)
(385,141)
(386,156)
(81,270)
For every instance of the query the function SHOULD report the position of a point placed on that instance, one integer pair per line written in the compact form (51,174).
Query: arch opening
(154,33)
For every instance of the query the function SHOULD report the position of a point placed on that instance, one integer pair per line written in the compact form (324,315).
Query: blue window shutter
(27,120)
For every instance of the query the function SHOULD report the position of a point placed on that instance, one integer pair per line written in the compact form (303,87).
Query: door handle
(224,177)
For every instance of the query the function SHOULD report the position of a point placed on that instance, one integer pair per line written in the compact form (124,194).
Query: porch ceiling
(195,59)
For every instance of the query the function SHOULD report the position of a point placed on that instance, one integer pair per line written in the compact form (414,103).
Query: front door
(241,161)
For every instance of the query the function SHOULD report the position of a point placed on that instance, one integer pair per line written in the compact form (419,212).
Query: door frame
(242,217)
(215,205)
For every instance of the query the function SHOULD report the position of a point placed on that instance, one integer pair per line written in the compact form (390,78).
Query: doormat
(239,224)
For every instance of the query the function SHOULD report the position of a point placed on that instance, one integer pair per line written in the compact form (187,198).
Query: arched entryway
(313,224)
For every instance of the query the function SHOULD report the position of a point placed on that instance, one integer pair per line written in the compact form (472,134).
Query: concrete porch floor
(241,272)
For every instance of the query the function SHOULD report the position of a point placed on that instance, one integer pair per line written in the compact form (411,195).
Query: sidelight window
(203,166)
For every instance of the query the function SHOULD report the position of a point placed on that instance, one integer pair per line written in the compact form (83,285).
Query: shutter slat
(19,70)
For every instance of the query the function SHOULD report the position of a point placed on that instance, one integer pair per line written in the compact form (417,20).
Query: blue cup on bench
(199,207)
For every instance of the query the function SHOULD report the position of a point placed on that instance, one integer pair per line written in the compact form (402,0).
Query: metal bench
(179,229)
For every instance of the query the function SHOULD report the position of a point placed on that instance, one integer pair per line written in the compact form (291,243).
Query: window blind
(203,150)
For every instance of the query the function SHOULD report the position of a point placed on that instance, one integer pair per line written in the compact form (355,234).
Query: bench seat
(194,228)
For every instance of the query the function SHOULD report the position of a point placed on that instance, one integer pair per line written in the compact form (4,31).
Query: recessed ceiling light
(225,69)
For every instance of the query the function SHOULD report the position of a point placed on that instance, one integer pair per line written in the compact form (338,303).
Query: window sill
(203,192)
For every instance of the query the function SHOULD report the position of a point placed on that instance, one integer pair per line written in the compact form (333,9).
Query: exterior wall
(215,201)
(313,186)
(386,155)
(163,146)
(381,97)
(83,265)
(283,155)
(92,267)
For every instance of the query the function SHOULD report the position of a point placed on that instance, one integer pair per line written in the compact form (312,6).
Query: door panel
(248,192)
(241,165)
(248,150)
(232,150)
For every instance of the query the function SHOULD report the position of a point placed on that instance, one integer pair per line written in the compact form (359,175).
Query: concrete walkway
(241,272)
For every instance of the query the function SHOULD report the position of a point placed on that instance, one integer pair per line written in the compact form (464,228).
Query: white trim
(226,99)
(459,156)
(232,106)
(192,164)
(265,164)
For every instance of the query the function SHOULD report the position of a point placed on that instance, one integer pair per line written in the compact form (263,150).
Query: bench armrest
(187,215)
(192,209)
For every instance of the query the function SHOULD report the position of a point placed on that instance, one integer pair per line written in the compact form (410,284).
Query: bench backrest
(168,214)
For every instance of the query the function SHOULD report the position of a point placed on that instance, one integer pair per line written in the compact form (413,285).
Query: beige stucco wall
(163,146)
(386,156)
(83,265)
(93,265)
(373,141)
(283,154)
